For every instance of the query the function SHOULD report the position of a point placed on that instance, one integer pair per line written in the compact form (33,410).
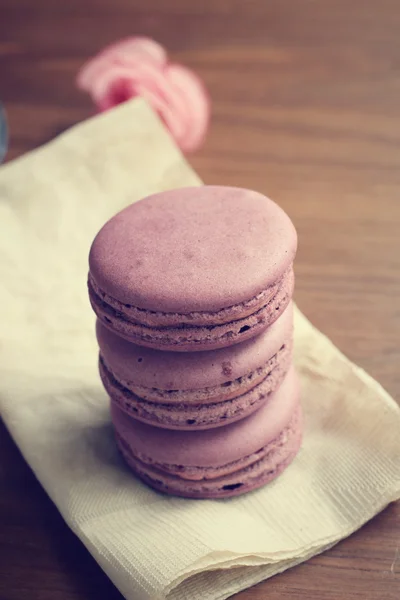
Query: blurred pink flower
(139,66)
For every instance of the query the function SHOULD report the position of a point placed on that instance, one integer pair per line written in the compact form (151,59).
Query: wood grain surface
(306,108)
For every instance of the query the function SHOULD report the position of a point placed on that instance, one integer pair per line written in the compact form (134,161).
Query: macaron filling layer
(198,409)
(179,331)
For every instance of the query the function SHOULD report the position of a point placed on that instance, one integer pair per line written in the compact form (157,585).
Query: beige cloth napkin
(52,202)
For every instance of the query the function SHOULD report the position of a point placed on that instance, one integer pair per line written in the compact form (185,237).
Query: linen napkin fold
(52,202)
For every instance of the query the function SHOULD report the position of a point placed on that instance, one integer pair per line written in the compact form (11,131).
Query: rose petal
(197,103)
(139,72)
(119,91)
(145,46)
(104,82)
(129,51)
(144,73)
(158,82)
(170,117)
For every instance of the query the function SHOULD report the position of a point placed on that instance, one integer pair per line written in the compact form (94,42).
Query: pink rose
(139,66)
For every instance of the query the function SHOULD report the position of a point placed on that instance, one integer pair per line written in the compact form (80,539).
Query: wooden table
(306,100)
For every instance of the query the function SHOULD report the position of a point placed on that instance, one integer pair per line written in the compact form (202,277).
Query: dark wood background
(306,108)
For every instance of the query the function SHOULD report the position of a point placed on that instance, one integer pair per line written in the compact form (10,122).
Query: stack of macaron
(192,290)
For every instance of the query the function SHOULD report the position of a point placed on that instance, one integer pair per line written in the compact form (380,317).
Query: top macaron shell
(193,249)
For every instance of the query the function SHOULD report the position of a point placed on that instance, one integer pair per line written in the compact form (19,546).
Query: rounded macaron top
(192,370)
(193,249)
(213,447)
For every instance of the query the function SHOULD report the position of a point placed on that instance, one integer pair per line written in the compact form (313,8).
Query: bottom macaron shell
(194,416)
(234,479)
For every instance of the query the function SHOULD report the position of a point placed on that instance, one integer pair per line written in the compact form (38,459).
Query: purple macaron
(195,390)
(193,269)
(220,462)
